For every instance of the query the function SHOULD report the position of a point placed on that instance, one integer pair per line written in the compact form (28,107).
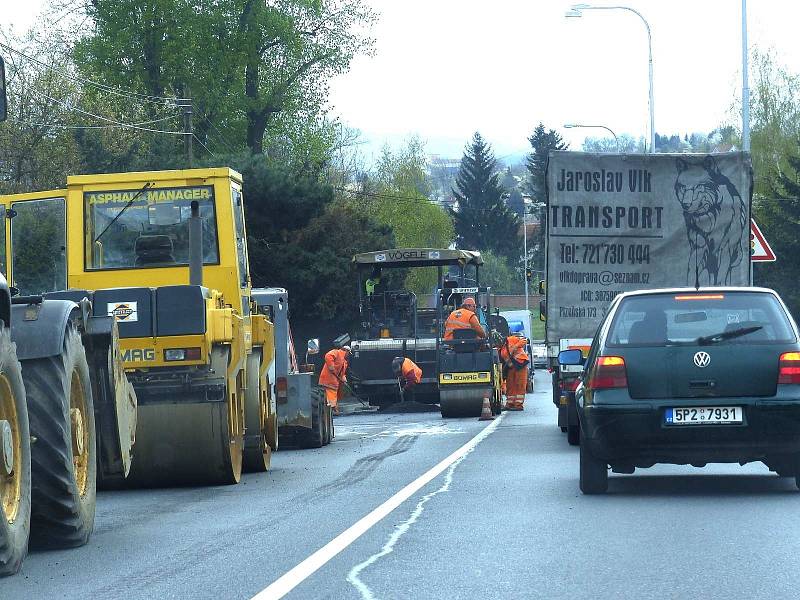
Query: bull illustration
(716,221)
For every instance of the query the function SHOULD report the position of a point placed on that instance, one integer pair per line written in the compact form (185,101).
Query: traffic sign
(760,250)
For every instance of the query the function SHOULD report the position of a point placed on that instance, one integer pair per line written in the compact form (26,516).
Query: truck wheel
(574,435)
(64,457)
(257,452)
(315,438)
(594,472)
(15,461)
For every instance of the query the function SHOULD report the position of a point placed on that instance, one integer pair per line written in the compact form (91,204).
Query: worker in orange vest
(464,318)
(407,372)
(515,370)
(333,375)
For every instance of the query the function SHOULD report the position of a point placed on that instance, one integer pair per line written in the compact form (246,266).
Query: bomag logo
(479,377)
(139,355)
(122,312)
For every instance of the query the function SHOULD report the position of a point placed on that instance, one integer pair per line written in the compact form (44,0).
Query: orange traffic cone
(486,411)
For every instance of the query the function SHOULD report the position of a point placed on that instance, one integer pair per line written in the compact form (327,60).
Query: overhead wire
(62,126)
(77,109)
(106,88)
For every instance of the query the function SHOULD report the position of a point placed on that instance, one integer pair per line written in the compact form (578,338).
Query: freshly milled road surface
(506,521)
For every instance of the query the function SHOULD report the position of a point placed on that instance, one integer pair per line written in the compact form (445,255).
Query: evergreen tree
(779,218)
(483,220)
(542,141)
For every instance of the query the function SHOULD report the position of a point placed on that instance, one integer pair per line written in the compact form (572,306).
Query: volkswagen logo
(702,359)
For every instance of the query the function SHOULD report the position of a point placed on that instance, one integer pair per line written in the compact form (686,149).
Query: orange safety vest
(411,372)
(462,319)
(334,369)
(514,350)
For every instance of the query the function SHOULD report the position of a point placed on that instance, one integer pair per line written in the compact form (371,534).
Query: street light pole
(608,129)
(577,12)
(525,250)
(745,87)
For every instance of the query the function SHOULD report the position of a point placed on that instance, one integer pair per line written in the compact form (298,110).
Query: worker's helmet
(397,364)
(469,303)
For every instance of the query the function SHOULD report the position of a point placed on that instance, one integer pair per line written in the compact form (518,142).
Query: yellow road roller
(165,254)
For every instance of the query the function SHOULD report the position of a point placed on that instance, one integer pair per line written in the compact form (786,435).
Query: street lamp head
(579,7)
(573,14)
(569,125)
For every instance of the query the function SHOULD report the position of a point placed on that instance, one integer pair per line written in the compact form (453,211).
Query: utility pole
(525,250)
(188,134)
(745,86)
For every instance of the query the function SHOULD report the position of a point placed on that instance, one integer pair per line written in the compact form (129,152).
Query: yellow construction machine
(165,253)
(67,411)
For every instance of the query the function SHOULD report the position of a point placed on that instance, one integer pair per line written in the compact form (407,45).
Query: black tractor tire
(574,435)
(593,471)
(315,438)
(63,500)
(14,533)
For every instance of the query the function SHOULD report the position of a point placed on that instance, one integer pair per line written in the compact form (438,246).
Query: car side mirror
(313,346)
(570,358)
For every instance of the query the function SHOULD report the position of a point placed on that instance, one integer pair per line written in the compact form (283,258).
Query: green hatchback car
(689,377)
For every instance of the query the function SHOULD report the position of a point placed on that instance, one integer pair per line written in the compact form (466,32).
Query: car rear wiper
(726,335)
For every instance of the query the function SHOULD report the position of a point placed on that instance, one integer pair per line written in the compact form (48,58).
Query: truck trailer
(622,222)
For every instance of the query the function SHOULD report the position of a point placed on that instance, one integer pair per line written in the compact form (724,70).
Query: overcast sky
(446,68)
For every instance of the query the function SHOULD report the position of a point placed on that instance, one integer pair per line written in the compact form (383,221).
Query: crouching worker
(408,374)
(515,371)
(333,375)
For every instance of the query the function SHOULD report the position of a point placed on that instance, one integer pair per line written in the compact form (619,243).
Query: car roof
(691,290)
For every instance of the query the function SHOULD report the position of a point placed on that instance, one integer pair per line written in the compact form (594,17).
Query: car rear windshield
(692,318)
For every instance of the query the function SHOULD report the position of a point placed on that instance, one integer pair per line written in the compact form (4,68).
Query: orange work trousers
(516,384)
(333,395)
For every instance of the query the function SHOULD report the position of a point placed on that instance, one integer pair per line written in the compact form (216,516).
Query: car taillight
(569,385)
(281,388)
(609,372)
(789,368)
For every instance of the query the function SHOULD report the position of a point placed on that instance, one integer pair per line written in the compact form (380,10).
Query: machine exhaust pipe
(195,246)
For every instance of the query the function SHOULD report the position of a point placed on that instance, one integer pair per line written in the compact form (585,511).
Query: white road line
(295,576)
(399,531)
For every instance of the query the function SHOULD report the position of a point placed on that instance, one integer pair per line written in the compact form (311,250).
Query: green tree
(396,193)
(542,141)
(779,218)
(254,69)
(482,219)
(499,275)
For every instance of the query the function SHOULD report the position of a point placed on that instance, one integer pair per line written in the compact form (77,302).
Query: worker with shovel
(408,374)
(333,375)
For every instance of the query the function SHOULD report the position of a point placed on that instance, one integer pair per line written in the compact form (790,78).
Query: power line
(222,138)
(106,88)
(60,126)
(203,145)
(112,121)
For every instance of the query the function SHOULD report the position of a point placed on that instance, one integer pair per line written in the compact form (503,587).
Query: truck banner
(617,223)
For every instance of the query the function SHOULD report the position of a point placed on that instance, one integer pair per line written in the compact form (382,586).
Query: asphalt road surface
(502,518)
